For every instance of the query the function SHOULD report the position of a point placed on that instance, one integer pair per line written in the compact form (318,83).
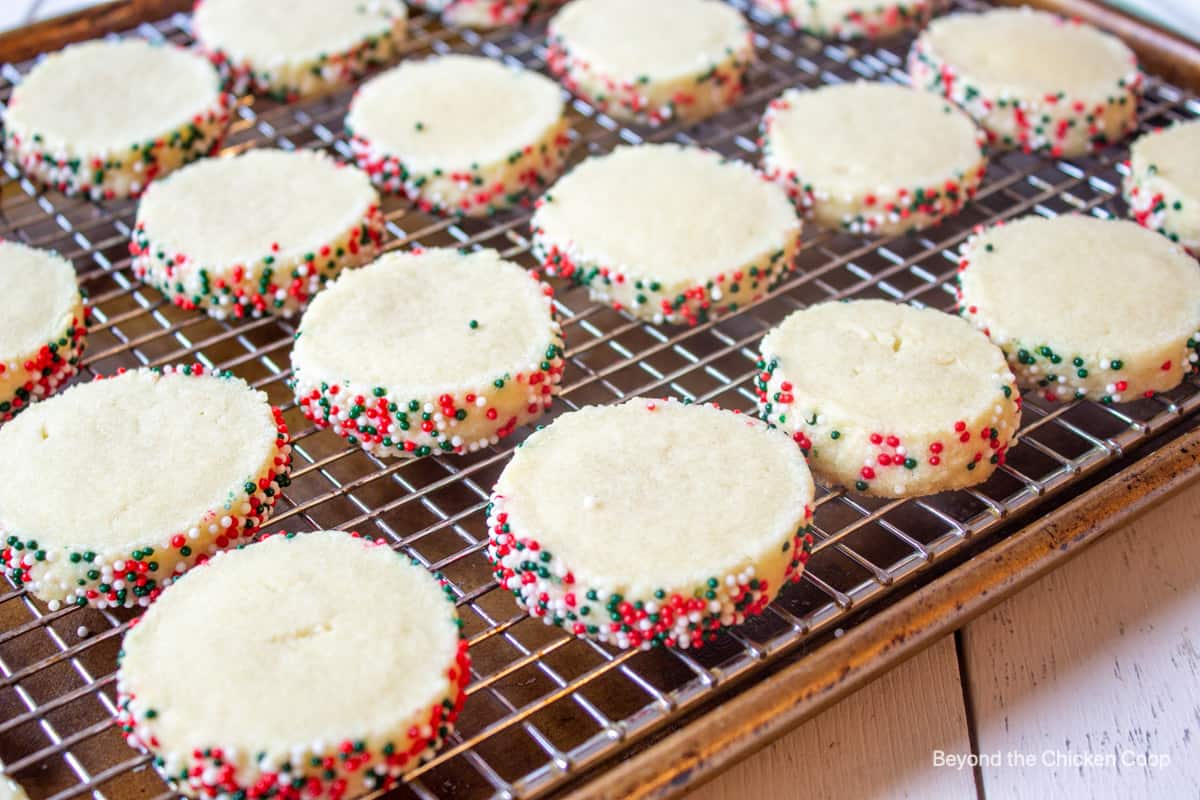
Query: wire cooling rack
(544,707)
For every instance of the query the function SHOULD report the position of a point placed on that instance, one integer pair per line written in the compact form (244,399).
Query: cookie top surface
(1031,52)
(223,211)
(168,447)
(405,322)
(357,638)
(862,134)
(1174,153)
(10,789)
(269,32)
(455,111)
(662,39)
(668,212)
(38,296)
(1106,284)
(102,95)
(887,365)
(652,478)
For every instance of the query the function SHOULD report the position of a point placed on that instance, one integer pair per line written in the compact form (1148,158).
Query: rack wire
(545,707)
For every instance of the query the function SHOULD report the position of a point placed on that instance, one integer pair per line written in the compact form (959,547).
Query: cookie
(459,135)
(338,660)
(887,399)
(242,236)
(851,19)
(1084,307)
(626,523)
(42,325)
(872,157)
(432,352)
(10,789)
(1162,186)
(114,488)
(651,63)
(667,233)
(104,118)
(484,13)
(1032,80)
(288,49)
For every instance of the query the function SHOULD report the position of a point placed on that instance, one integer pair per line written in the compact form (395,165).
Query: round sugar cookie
(104,118)
(288,49)
(651,63)
(668,233)
(852,19)
(42,325)
(651,522)
(112,489)
(10,789)
(432,352)
(1084,307)
(340,662)
(872,157)
(1032,80)
(887,399)
(484,13)
(246,236)
(1162,186)
(459,135)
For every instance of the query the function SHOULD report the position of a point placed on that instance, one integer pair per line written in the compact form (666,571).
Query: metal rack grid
(544,706)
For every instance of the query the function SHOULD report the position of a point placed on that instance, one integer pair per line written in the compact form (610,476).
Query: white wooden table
(1086,684)
(22,12)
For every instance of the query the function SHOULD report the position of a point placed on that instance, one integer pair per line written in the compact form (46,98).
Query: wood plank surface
(1095,670)
(876,743)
